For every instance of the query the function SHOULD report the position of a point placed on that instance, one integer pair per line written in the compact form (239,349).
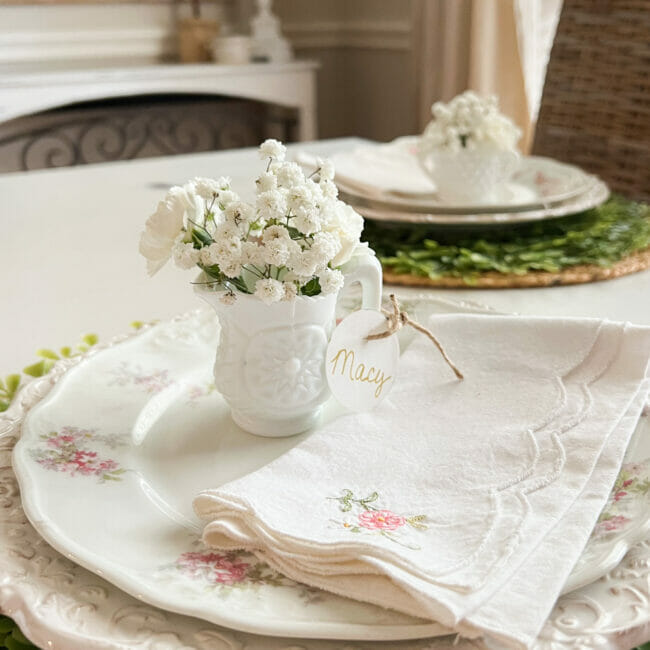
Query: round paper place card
(360,373)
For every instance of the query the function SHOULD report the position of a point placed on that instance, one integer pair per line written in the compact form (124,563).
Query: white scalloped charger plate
(123,510)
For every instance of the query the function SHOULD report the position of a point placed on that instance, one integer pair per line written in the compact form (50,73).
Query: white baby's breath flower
(269,290)
(228,298)
(231,267)
(303,263)
(290,291)
(331,281)
(325,246)
(326,169)
(226,197)
(209,188)
(300,200)
(469,121)
(289,174)
(328,189)
(184,254)
(273,233)
(271,204)
(275,252)
(227,230)
(307,222)
(209,255)
(251,253)
(266,181)
(273,149)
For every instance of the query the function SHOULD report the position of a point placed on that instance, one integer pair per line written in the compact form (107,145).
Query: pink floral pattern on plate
(235,570)
(366,518)
(68,451)
(151,381)
(632,484)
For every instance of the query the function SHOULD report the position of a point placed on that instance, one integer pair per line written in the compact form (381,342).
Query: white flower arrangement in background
(469,121)
(291,242)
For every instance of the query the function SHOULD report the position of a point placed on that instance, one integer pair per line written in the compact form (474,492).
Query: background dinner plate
(390,176)
(595,195)
(123,510)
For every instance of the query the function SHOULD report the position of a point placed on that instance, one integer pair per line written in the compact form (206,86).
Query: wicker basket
(595,108)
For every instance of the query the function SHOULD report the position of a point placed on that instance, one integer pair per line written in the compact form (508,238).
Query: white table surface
(70,261)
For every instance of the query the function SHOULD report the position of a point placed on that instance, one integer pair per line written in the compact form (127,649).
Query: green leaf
(65,352)
(13,381)
(48,354)
(38,369)
(6,624)
(137,324)
(90,339)
(312,288)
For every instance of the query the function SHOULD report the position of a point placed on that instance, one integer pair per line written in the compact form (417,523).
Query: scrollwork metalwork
(145,127)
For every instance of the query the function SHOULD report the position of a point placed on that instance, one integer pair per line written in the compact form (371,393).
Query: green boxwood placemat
(596,239)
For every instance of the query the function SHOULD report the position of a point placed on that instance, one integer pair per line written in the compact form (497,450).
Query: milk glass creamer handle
(366,270)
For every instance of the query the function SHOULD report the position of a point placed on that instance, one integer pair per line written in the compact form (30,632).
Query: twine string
(396,319)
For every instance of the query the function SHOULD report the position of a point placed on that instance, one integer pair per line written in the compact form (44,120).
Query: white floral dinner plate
(389,176)
(596,194)
(123,510)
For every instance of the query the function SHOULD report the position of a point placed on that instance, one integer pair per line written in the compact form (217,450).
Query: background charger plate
(123,511)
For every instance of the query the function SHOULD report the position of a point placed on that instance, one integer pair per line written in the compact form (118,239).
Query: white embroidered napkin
(466,502)
(391,167)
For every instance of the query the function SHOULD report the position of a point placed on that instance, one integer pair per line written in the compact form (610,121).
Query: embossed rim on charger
(45,602)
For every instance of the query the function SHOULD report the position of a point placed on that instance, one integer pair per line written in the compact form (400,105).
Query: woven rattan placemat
(493,280)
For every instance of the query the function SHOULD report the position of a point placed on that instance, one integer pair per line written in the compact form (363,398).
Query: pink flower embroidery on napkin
(381,519)
(371,519)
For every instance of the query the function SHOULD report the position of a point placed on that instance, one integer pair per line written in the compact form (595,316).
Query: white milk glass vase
(270,364)
(470,175)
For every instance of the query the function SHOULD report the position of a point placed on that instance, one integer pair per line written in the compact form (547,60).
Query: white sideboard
(287,84)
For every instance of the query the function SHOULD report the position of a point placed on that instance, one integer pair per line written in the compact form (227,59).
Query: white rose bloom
(289,174)
(272,149)
(269,290)
(331,281)
(240,214)
(290,291)
(267,181)
(271,204)
(347,224)
(185,255)
(161,230)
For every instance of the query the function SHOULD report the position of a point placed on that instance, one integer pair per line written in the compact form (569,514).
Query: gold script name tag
(360,373)
(345,360)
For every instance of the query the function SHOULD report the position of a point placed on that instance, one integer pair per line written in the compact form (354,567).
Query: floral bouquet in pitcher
(273,270)
(469,148)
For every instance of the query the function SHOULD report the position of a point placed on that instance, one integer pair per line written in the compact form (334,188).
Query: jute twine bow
(398,319)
